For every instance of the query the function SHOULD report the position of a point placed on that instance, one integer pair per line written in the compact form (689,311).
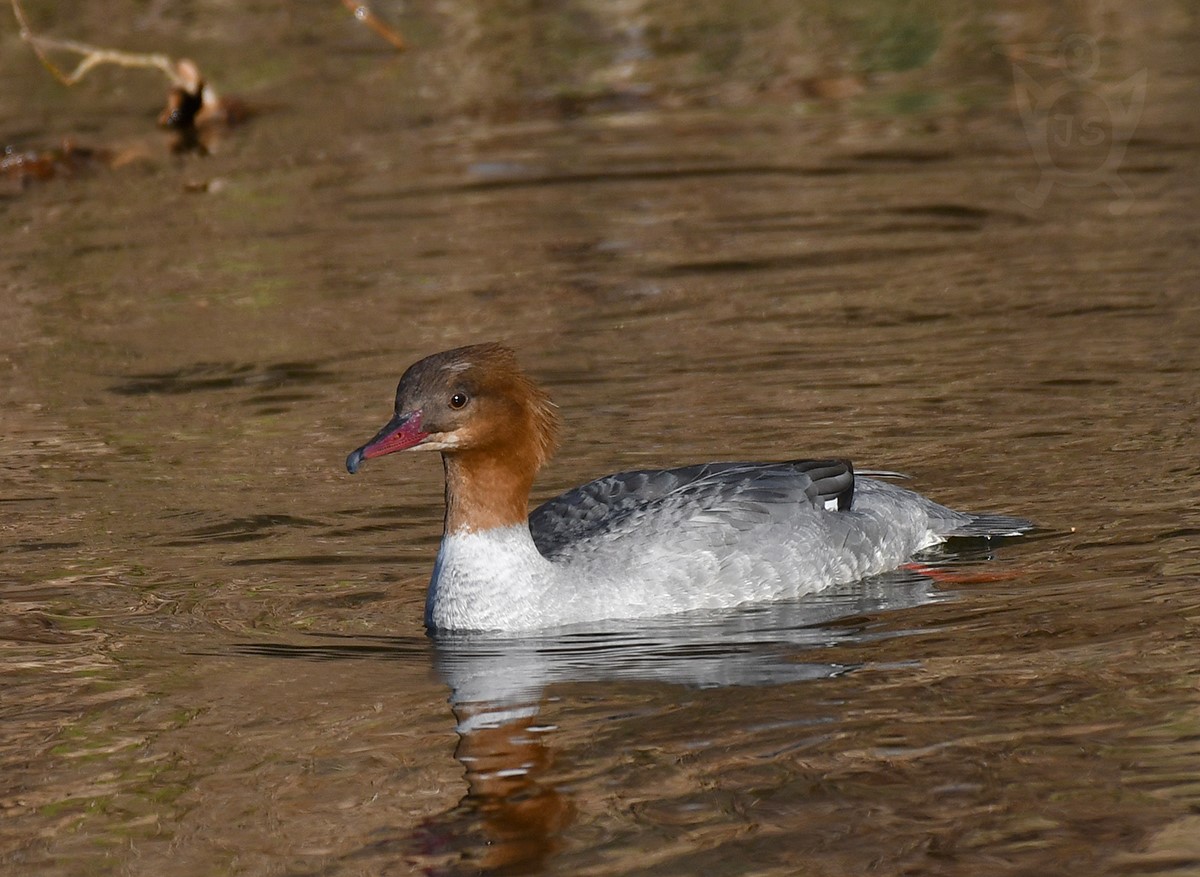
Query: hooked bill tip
(354,461)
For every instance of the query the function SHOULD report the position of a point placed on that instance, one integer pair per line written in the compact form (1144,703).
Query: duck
(635,544)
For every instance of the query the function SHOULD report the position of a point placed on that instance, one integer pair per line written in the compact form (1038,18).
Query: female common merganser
(634,544)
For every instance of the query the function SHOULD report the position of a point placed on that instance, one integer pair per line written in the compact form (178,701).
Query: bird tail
(991,527)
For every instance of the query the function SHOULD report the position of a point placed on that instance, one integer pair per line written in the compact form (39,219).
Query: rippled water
(213,659)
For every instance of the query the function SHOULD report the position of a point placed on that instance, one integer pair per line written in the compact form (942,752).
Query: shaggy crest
(494,369)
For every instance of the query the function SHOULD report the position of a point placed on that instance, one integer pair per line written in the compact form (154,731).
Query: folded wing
(733,495)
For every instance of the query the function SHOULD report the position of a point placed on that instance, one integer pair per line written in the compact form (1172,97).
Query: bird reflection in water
(513,817)
(510,818)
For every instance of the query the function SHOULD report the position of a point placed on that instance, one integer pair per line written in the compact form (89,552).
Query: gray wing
(733,494)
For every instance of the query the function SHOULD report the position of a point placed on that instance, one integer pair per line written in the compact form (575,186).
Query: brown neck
(486,490)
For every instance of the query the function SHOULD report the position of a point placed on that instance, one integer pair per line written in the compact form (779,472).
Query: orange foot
(951,577)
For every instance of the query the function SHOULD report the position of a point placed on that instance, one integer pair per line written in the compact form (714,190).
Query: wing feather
(738,496)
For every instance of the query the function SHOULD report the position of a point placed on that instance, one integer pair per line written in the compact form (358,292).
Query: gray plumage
(739,497)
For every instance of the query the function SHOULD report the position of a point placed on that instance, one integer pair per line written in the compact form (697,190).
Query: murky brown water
(213,659)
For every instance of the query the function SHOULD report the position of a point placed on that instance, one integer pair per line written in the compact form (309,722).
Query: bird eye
(458,400)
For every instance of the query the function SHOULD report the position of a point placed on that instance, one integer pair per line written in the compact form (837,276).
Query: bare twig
(364,14)
(92,56)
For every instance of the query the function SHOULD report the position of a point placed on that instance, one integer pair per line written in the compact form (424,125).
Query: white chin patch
(438,441)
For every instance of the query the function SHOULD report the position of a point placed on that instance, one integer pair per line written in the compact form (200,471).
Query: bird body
(635,544)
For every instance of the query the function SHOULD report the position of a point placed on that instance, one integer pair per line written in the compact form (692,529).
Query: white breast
(488,580)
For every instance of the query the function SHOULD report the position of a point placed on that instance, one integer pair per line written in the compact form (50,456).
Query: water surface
(213,659)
